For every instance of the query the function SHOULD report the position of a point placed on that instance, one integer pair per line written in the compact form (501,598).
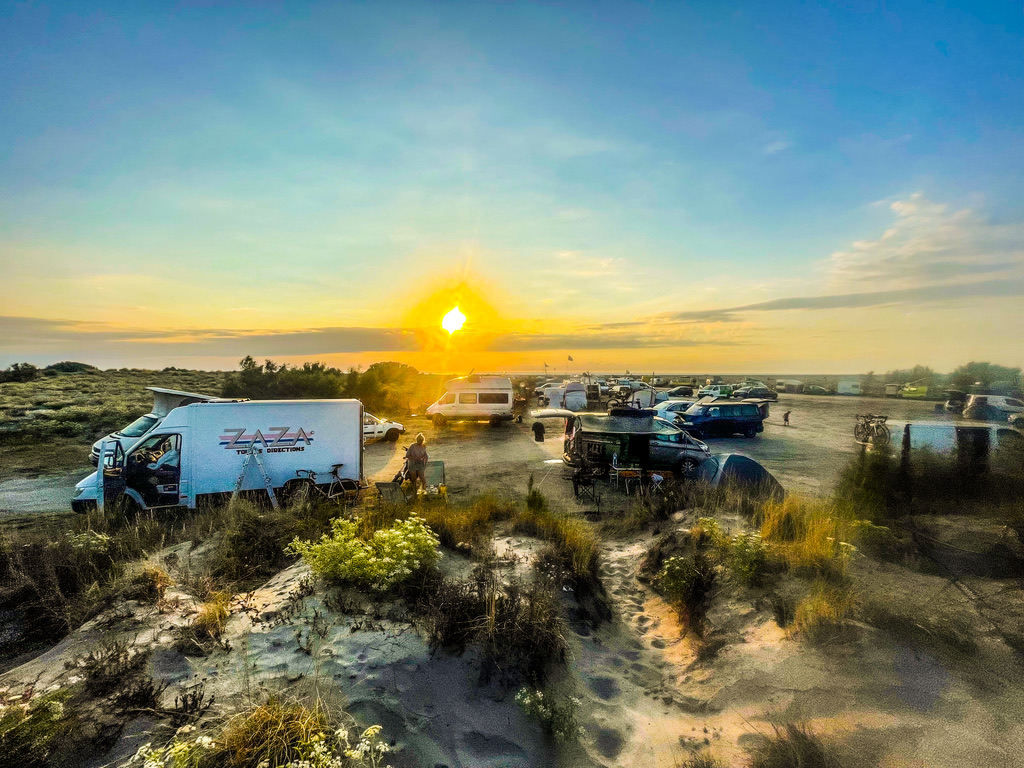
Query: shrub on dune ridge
(386,559)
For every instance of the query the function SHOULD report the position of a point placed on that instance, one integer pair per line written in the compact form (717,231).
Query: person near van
(785,418)
(417,458)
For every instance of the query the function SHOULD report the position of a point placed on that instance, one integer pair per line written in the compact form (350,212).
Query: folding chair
(625,472)
(391,493)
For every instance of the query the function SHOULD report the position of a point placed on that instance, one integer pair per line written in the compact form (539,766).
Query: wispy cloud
(926,294)
(931,243)
(775,147)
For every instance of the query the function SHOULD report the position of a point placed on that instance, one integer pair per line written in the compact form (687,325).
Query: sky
(727,187)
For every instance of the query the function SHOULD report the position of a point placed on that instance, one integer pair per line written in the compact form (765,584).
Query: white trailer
(200,451)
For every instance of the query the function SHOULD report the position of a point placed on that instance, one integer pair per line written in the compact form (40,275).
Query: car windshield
(140,426)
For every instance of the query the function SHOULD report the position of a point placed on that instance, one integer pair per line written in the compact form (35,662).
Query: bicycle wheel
(880,436)
(860,432)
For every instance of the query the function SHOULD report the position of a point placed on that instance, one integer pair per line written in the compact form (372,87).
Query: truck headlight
(79,492)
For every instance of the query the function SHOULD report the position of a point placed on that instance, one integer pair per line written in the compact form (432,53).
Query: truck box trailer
(200,450)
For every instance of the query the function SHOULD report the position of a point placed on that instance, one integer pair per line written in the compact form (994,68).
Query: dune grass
(810,535)
(793,745)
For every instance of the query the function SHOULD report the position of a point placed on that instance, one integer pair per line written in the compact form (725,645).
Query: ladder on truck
(253,456)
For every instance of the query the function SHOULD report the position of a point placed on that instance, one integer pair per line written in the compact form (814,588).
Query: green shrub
(390,557)
(272,735)
(32,726)
(748,558)
(557,718)
(687,584)
(517,628)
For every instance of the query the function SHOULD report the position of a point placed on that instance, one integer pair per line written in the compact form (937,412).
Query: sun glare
(453,321)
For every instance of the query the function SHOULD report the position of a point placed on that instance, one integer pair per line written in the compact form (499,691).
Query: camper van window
(140,426)
(494,398)
(448,399)
(467,397)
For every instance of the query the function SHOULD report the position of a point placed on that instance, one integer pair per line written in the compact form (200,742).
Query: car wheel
(751,432)
(392,436)
(689,465)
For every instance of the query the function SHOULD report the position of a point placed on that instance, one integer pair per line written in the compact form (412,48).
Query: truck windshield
(140,426)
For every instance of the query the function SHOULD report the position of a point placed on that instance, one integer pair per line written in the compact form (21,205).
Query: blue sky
(179,170)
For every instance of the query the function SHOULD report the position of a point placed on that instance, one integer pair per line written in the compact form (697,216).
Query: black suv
(723,419)
(760,392)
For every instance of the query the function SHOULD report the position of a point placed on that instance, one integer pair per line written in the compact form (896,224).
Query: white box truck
(198,452)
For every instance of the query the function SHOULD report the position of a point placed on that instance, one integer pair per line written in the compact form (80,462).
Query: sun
(453,321)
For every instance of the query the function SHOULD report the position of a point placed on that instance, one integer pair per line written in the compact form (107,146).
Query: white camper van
(164,401)
(200,450)
(474,398)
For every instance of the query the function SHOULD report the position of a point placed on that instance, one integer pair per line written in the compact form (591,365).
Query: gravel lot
(806,456)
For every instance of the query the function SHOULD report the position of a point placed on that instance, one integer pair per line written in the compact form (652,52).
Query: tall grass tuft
(811,535)
(469,525)
(793,746)
(823,615)
(574,538)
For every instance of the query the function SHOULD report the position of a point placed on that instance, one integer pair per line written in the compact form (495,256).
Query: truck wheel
(439,421)
(391,436)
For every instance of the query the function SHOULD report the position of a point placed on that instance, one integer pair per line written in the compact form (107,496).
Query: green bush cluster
(381,562)
(557,718)
(32,726)
(687,585)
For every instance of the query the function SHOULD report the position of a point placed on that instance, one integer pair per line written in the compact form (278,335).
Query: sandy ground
(648,700)
(807,456)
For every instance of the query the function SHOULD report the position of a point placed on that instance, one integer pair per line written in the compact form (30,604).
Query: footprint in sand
(606,688)
(658,643)
(609,742)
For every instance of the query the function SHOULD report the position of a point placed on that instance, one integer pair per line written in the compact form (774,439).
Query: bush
(793,746)
(517,628)
(687,585)
(31,727)
(748,558)
(275,735)
(390,557)
(557,718)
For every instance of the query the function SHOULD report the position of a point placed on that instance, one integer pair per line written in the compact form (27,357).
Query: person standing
(785,418)
(417,458)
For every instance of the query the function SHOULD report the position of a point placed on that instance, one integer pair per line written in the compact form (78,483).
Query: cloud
(775,147)
(28,334)
(930,243)
(524,342)
(925,294)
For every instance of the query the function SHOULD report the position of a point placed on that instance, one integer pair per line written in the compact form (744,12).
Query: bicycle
(871,429)
(305,487)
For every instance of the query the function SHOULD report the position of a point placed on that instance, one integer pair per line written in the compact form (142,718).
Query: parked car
(633,436)
(376,428)
(755,392)
(955,400)
(992,407)
(722,418)
(715,390)
(670,409)
(677,393)
(813,389)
